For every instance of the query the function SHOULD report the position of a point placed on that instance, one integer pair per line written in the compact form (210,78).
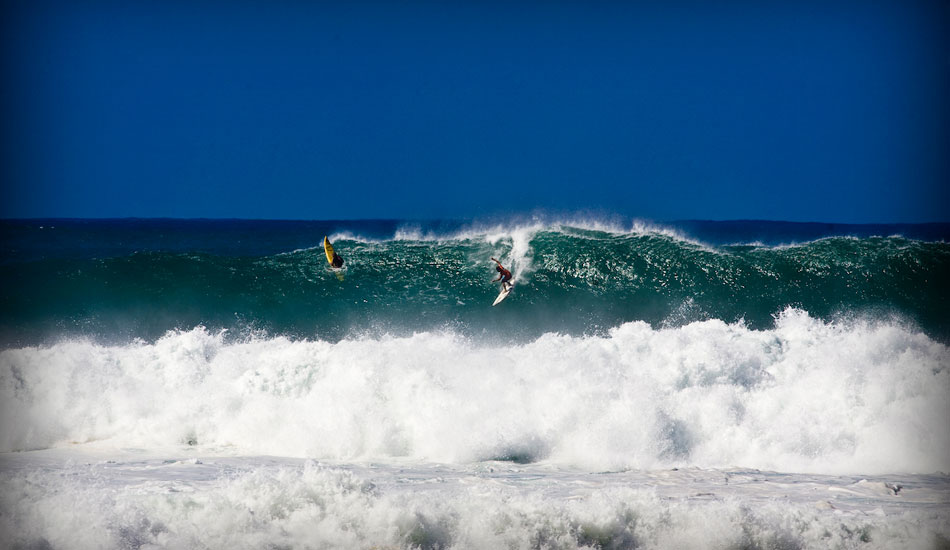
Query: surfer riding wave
(503,275)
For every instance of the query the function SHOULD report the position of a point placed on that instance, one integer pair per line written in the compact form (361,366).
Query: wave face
(120,280)
(804,396)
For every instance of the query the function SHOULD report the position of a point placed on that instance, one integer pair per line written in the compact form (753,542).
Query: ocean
(692,384)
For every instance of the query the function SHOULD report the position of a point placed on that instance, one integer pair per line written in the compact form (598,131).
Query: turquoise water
(118,280)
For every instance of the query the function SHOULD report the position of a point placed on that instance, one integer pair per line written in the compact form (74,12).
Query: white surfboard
(504,294)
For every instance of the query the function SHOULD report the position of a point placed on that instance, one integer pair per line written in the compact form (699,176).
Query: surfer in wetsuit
(503,275)
(337,261)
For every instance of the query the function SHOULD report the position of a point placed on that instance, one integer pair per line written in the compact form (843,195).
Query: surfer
(336,262)
(503,275)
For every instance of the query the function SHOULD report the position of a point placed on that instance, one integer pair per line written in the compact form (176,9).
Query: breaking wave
(805,395)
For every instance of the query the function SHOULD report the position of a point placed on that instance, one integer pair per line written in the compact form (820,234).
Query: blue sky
(801,111)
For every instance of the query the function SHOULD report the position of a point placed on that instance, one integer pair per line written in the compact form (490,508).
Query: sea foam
(257,502)
(805,396)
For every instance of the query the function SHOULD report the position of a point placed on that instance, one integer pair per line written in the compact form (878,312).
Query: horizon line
(512,218)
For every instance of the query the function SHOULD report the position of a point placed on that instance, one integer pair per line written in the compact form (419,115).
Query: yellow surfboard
(328,248)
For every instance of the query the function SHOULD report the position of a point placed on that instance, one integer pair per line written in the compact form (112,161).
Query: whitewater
(644,387)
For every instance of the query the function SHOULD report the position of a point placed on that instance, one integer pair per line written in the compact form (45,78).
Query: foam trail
(807,396)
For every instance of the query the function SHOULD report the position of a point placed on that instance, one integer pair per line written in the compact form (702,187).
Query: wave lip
(806,396)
